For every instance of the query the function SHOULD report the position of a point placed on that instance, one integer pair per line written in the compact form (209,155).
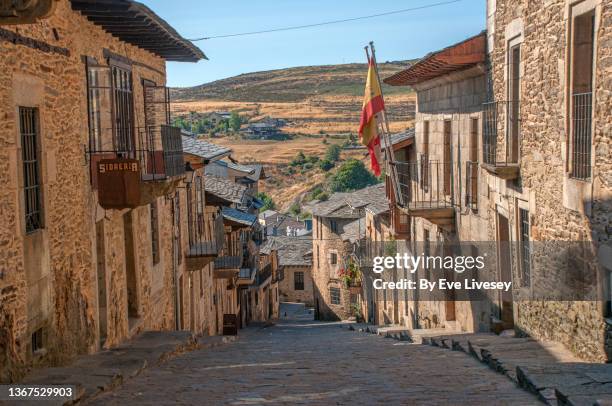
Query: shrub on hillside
(352,175)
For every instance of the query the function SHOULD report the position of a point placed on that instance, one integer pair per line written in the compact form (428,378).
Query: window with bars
(154,232)
(448,125)
(298,281)
(514,89)
(30,148)
(424,180)
(525,247)
(124,109)
(334,295)
(583,52)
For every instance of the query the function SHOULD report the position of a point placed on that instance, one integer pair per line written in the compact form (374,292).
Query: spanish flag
(373,104)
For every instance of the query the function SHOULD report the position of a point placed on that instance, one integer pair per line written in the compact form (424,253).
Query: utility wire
(299,27)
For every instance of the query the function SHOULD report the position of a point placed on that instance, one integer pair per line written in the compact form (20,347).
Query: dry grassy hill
(317,101)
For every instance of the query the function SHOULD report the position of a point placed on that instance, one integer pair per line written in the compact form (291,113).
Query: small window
(298,281)
(154,232)
(334,294)
(37,340)
(333,258)
(525,247)
(30,138)
(333,225)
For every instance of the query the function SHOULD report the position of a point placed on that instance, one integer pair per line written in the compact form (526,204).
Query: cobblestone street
(299,361)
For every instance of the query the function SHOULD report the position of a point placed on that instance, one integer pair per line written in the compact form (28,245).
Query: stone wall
(563,208)
(48,279)
(287,286)
(325,274)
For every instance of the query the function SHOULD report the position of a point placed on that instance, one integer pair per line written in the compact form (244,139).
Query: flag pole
(390,161)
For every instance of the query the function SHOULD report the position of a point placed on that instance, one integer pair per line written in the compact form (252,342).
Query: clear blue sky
(397,37)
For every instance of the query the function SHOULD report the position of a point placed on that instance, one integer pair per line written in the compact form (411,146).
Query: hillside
(321,105)
(291,84)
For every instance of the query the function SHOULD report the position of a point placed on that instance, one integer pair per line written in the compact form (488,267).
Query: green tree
(333,153)
(235,121)
(326,165)
(267,201)
(352,175)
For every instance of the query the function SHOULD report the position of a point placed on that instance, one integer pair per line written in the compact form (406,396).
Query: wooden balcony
(501,139)
(427,191)
(227,267)
(128,177)
(206,234)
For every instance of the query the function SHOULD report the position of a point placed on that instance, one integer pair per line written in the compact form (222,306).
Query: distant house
(218,116)
(264,130)
(246,175)
(278,224)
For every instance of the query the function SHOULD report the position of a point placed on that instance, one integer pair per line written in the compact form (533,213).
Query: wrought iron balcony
(264,274)
(427,190)
(227,266)
(132,171)
(501,138)
(206,234)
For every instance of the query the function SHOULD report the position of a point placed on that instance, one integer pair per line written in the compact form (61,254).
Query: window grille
(298,281)
(334,294)
(28,120)
(525,247)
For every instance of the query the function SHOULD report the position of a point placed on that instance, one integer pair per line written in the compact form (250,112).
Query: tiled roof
(292,251)
(462,55)
(344,205)
(400,137)
(372,198)
(236,167)
(354,230)
(224,189)
(203,149)
(238,216)
(136,24)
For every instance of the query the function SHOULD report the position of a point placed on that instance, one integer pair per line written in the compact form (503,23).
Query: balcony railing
(228,262)
(581,135)
(206,233)
(426,184)
(264,274)
(501,138)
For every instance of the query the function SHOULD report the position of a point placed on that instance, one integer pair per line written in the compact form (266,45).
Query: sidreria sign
(118,183)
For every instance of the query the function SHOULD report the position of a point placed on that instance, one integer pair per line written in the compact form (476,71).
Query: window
(318,262)
(425,181)
(583,52)
(37,340)
(446,164)
(154,232)
(514,89)
(525,248)
(426,250)
(333,258)
(124,109)
(201,283)
(471,176)
(30,149)
(298,281)
(334,295)
(333,225)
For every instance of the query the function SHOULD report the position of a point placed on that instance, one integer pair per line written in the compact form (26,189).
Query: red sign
(118,183)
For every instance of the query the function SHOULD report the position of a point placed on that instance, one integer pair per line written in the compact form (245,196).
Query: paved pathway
(300,361)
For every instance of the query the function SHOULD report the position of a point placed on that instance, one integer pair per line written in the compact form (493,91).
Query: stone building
(512,147)
(339,226)
(438,172)
(84,265)
(293,260)
(551,65)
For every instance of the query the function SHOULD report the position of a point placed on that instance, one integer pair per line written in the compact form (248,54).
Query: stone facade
(563,208)
(330,253)
(288,289)
(87,278)
(524,190)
